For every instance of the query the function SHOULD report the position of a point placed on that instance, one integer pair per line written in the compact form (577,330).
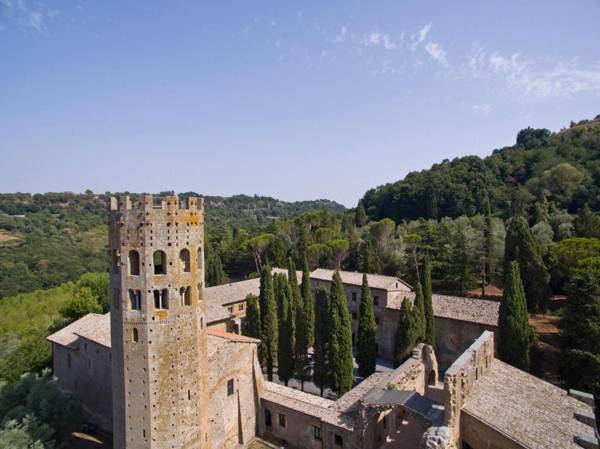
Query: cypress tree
(309,305)
(406,332)
(340,338)
(520,246)
(419,315)
(488,239)
(321,369)
(302,366)
(367,344)
(268,320)
(251,324)
(285,359)
(428,297)
(295,298)
(361,216)
(514,333)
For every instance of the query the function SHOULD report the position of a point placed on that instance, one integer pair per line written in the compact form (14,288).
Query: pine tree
(340,338)
(268,319)
(361,216)
(406,333)
(285,359)
(514,333)
(419,315)
(251,324)
(428,297)
(367,328)
(322,367)
(520,246)
(309,305)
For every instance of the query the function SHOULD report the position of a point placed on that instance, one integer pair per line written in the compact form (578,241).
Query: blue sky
(297,100)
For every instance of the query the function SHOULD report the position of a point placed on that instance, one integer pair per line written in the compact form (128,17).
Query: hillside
(48,239)
(562,168)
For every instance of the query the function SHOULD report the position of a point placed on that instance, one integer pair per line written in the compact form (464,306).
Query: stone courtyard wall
(482,436)
(88,375)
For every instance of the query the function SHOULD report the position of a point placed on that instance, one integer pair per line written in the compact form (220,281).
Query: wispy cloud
(420,36)
(532,78)
(436,52)
(484,109)
(376,38)
(28,15)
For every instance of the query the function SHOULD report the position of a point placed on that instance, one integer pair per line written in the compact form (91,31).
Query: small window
(281,419)
(316,431)
(353,315)
(377,320)
(186,296)
(160,262)
(161,299)
(241,307)
(268,420)
(184,260)
(199,258)
(230,387)
(135,335)
(230,309)
(338,440)
(134,263)
(200,292)
(376,300)
(354,296)
(189,395)
(135,299)
(115,260)
(68,360)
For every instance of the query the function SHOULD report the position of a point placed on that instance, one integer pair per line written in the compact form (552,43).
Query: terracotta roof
(309,404)
(216,332)
(389,283)
(473,310)
(93,326)
(526,409)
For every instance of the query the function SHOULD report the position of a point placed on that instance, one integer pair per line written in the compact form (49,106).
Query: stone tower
(158,324)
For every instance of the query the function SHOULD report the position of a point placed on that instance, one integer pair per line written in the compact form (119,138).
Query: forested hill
(48,239)
(560,168)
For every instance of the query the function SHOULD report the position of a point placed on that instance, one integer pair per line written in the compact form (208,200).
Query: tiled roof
(93,326)
(526,409)
(216,332)
(219,296)
(473,310)
(389,283)
(324,409)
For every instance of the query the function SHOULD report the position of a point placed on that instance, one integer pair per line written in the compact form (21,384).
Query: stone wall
(461,377)
(482,436)
(87,373)
(233,413)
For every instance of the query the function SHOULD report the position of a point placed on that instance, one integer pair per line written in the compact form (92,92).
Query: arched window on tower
(134,263)
(186,296)
(200,258)
(200,296)
(134,335)
(135,299)
(161,299)
(160,262)
(184,259)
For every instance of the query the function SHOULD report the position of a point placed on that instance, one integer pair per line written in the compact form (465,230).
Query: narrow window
(135,299)
(115,260)
(268,421)
(376,320)
(200,292)
(199,258)
(353,315)
(316,431)
(354,296)
(189,395)
(281,419)
(161,299)
(135,335)
(68,360)
(338,440)
(230,309)
(160,262)
(134,263)
(186,296)
(376,300)
(184,260)
(230,387)
(241,307)
(144,433)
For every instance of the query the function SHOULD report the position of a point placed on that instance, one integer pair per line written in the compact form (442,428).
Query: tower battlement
(149,203)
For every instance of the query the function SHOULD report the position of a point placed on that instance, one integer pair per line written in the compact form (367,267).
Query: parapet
(148,203)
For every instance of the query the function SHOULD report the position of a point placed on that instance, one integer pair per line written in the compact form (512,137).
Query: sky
(295,100)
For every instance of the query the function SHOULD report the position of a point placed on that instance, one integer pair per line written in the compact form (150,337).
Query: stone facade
(158,324)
